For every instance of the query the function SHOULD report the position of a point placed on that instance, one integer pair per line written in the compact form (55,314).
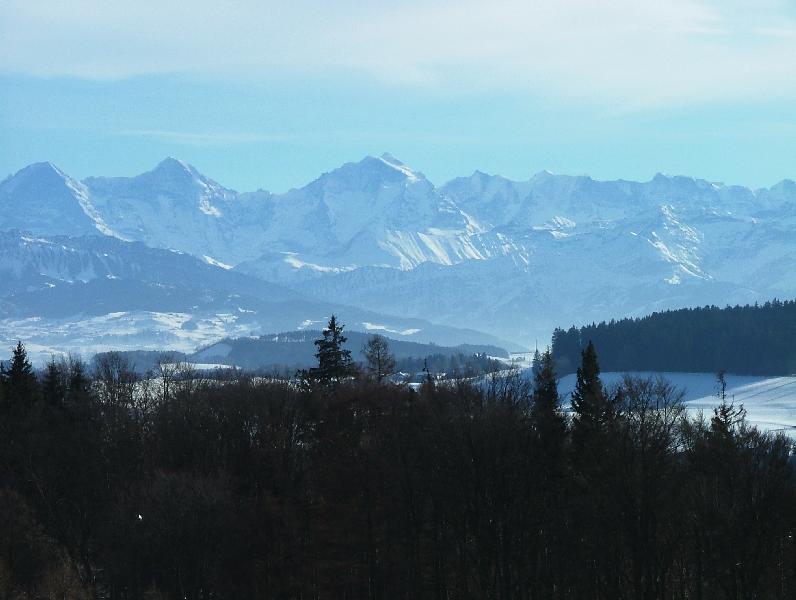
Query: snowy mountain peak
(369,175)
(171,175)
(396,164)
(384,166)
(481,178)
(42,168)
(683,185)
(172,206)
(786,186)
(542,175)
(389,158)
(39,174)
(175,169)
(43,199)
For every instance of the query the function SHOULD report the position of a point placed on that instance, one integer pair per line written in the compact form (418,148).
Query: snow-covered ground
(770,402)
(135,330)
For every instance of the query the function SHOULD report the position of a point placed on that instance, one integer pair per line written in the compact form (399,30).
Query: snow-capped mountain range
(510,258)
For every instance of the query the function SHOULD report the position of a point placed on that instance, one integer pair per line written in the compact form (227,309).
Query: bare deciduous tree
(380,362)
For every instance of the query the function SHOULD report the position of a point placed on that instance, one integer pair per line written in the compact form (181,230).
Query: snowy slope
(176,207)
(770,402)
(558,250)
(45,276)
(92,293)
(374,212)
(44,200)
(185,330)
(377,211)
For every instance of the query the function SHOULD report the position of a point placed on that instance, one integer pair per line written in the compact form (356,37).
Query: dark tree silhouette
(705,340)
(546,412)
(248,487)
(334,360)
(379,361)
(591,405)
(21,386)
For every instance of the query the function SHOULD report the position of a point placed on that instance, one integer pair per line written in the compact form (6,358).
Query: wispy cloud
(619,52)
(205,138)
(193,138)
(776,32)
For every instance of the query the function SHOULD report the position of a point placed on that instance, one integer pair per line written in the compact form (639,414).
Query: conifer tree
(20,381)
(536,363)
(587,398)
(545,389)
(334,361)
(79,382)
(53,388)
(548,421)
(727,417)
(545,386)
(590,403)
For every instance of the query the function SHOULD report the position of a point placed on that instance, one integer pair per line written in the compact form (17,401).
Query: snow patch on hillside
(376,327)
(216,263)
(81,194)
(770,402)
(394,163)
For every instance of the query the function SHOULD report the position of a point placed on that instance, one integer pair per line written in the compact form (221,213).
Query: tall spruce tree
(79,382)
(591,404)
(20,381)
(536,363)
(597,496)
(545,386)
(53,388)
(549,422)
(334,361)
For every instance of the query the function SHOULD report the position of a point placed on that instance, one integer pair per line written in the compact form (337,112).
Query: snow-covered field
(135,330)
(770,402)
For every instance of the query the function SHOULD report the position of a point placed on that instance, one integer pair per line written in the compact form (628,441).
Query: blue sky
(270,94)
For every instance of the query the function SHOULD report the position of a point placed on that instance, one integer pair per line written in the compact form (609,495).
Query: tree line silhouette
(746,340)
(343,485)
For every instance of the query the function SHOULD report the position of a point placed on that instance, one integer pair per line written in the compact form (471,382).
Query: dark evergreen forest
(746,340)
(341,485)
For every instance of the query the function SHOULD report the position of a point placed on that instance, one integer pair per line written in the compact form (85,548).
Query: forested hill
(296,349)
(288,351)
(748,340)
